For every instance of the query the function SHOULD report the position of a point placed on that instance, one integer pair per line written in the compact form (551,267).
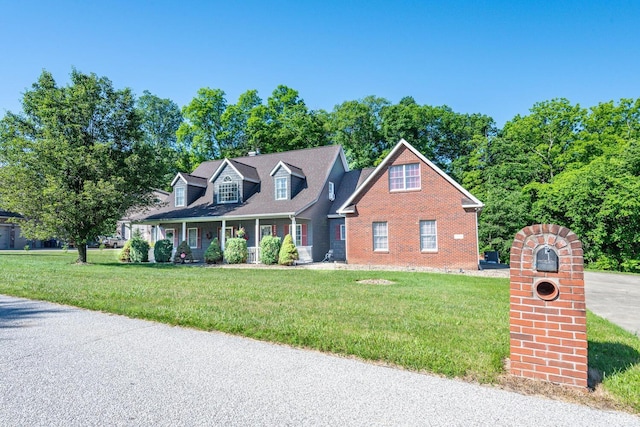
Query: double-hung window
(380,236)
(228,191)
(404,177)
(281,188)
(428,236)
(192,237)
(179,192)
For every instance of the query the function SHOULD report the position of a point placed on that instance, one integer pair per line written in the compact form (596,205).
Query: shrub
(213,254)
(183,248)
(235,251)
(139,250)
(162,250)
(125,253)
(288,252)
(269,250)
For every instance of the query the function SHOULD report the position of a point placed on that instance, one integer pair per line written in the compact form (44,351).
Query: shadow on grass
(13,312)
(609,358)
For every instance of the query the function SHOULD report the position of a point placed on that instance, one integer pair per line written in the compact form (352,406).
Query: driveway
(616,297)
(62,366)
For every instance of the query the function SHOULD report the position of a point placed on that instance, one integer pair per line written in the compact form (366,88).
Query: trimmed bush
(213,254)
(183,248)
(269,250)
(288,252)
(139,250)
(125,253)
(235,251)
(162,250)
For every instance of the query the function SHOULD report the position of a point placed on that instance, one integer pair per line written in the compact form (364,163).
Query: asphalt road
(62,366)
(616,297)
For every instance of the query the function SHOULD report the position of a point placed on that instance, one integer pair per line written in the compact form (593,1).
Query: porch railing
(304,254)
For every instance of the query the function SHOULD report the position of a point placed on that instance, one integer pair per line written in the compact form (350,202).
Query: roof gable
(246,172)
(469,201)
(292,170)
(189,179)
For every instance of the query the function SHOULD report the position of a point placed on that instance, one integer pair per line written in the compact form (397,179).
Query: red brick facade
(548,312)
(437,199)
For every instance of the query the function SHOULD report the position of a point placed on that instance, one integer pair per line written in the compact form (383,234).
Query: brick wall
(548,326)
(436,200)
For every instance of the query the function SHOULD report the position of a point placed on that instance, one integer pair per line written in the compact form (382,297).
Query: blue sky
(492,57)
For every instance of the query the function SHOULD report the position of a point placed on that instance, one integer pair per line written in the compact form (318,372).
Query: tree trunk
(82,253)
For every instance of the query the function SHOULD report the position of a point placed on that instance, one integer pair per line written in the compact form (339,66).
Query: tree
(73,161)
(198,135)
(356,125)
(160,120)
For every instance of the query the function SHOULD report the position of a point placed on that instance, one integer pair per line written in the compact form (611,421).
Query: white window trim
(386,249)
(182,190)
(298,234)
(226,181)
(264,227)
(332,191)
(404,178)
(343,232)
(282,178)
(196,245)
(435,224)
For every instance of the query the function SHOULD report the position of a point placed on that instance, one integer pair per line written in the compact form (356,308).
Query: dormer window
(227,191)
(179,192)
(281,188)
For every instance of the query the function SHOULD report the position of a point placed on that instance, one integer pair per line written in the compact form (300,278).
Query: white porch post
(184,232)
(293,230)
(223,235)
(257,234)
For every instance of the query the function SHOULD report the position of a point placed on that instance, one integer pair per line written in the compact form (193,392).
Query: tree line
(561,163)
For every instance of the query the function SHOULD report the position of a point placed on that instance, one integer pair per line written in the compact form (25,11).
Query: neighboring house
(404,212)
(12,238)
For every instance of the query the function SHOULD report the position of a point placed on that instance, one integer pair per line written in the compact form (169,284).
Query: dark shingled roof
(317,163)
(249,172)
(195,180)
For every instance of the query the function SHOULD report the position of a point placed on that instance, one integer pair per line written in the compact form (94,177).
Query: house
(270,194)
(404,212)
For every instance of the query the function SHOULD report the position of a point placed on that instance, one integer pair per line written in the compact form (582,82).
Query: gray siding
(338,246)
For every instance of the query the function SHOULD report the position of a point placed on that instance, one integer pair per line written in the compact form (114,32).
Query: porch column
(257,240)
(223,235)
(184,232)
(293,230)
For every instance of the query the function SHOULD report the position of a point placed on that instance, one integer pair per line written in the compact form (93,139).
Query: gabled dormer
(234,182)
(187,188)
(288,180)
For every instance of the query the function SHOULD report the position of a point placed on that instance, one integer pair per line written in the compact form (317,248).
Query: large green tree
(73,162)
(160,120)
(198,134)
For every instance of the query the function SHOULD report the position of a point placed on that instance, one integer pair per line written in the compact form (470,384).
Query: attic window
(227,191)
(404,177)
(332,191)
(281,188)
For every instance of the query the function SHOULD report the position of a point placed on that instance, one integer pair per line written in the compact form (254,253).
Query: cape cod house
(404,212)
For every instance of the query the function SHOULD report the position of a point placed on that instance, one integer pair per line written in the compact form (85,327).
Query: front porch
(201,232)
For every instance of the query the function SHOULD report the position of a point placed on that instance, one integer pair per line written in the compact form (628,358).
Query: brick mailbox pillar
(547,306)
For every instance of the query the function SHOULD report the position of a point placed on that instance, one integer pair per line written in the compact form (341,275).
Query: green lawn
(453,325)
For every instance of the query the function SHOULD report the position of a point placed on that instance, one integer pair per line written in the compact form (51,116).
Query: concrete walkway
(62,366)
(616,297)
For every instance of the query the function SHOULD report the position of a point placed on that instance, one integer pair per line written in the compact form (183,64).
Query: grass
(452,325)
